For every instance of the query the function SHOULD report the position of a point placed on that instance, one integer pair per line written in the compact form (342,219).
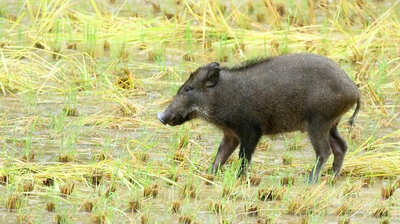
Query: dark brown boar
(297,92)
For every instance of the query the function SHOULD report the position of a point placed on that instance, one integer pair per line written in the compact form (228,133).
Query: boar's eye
(187,89)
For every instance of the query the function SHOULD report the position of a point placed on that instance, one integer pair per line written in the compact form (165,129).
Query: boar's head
(192,97)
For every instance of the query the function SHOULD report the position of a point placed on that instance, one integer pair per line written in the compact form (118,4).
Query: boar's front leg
(226,148)
(249,138)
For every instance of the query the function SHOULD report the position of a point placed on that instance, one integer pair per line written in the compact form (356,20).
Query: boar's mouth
(177,120)
(174,119)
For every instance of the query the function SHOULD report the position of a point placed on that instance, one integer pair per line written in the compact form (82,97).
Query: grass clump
(215,207)
(48,181)
(388,190)
(175,207)
(28,186)
(151,191)
(3,179)
(67,189)
(185,220)
(70,111)
(13,202)
(87,206)
(313,200)
(96,178)
(50,206)
(380,211)
(287,180)
(255,180)
(252,210)
(65,158)
(189,190)
(271,193)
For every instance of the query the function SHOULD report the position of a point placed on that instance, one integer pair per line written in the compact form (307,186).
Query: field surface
(81,83)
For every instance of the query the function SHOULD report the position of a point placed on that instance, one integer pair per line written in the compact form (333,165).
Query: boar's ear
(212,74)
(213,65)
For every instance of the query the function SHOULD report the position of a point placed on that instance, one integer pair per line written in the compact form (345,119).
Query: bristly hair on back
(249,63)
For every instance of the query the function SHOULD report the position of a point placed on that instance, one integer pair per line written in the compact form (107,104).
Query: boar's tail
(352,118)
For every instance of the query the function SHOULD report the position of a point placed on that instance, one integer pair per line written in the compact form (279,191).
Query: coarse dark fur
(297,92)
(248,64)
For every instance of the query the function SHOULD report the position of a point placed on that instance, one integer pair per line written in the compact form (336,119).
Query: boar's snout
(170,118)
(180,110)
(162,117)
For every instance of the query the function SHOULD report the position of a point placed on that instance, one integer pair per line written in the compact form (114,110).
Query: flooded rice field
(81,84)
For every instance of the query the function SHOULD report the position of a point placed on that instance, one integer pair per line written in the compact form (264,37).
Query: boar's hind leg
(248,142)
(318,131)
(226,148)
(339,149)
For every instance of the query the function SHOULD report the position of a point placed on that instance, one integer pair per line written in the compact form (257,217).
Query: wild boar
(295,92)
